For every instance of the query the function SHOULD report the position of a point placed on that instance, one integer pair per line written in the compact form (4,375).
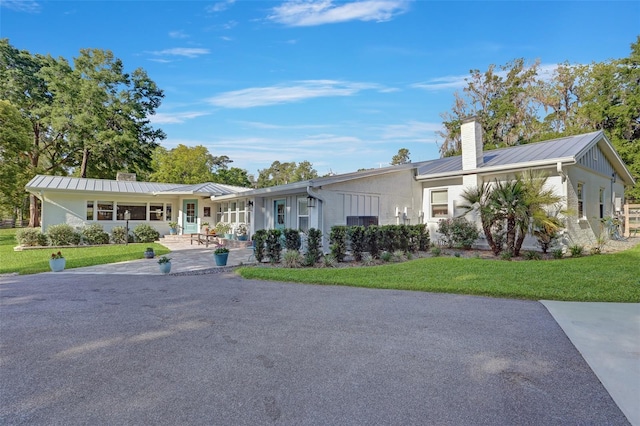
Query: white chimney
(471,132)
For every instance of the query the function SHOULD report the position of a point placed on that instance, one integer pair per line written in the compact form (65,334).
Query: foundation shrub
(144,233)
(259,242)
(94,234)
(119,235)
(338,242)
(292,239)
(274,245)
(458,232)
(292,259)
(31,237)
(63,235)
(314,245)
(357,237)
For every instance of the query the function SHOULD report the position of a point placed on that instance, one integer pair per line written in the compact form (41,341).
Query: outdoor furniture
(205,239)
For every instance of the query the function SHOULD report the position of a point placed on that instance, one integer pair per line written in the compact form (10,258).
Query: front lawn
(599,278)
(34,261)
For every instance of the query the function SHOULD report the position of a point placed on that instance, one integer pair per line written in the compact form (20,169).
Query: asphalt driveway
(219,350)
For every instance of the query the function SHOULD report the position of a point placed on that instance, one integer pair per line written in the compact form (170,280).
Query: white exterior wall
(456,187)
(71,209)
(584,230)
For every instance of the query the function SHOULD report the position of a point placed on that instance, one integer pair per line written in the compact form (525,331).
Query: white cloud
(178,34)
(21,5)
(282,94)
(175,118)
(303,13)
(220,6)
(269,126)
(440,83)
(418,131)
(189,52)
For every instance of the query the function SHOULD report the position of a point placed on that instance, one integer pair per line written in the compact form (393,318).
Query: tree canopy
(517,104)
(184,164)
(282,173)
(402,157)
(90,119)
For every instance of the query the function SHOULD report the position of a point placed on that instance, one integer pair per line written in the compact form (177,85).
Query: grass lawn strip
(600,278)
(35,261)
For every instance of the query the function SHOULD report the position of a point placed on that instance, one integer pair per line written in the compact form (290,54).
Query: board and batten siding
(595,159)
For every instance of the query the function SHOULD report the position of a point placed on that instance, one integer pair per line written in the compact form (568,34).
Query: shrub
(372,236)
(94,234)
(456,254)
(292,259)
(386,256)
(63,235)
(274,245)
(506,255)
(423,236)
(329,261)
(557,253)
(358,241)
(314,245)
(398,256)
(31,237)
(367,259)
(145,233)
(576,250)
(338,241)
(119,235)
(458,232)
(595,250)
(436,251)
(259,241)
(532,255)
(292,239)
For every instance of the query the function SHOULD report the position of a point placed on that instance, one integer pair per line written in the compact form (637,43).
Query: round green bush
(63,235)
(145,233)
(119,235)
(94,234)
(31,237)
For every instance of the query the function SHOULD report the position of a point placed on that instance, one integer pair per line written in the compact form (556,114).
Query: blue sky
(343,85)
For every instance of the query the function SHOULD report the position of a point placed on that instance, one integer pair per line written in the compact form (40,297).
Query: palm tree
(508,200)
(479,199)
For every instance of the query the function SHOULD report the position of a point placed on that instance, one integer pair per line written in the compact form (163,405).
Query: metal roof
(66,183)
(547,151)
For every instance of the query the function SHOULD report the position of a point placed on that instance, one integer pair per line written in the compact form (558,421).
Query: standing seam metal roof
(43,182)
(566,147)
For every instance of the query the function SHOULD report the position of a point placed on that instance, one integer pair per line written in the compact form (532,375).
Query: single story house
(584,170)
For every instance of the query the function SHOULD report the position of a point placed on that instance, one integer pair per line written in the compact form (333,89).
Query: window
(303,215)
(601,203)
(207,212)
(167,212)
(241,212)
(105,210)
(362,220)
(580,195)
(156,211)
(89,210)
(138,211)
(439,203)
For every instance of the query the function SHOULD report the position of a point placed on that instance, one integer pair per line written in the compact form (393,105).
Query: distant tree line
(517,104)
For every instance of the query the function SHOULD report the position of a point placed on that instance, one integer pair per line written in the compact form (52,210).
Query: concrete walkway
(184,257)
(607,335)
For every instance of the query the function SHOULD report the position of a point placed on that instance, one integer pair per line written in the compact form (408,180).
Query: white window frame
(302,201)
(432,204)
(580,198)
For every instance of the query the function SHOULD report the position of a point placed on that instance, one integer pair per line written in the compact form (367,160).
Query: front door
(190,217)
(279,214)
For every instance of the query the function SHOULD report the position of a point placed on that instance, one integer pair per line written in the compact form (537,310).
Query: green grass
(34,261)
(601,278)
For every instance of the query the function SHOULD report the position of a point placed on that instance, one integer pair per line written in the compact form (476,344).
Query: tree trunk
(511,235)
(85,161)
(519,241)
(34,216)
